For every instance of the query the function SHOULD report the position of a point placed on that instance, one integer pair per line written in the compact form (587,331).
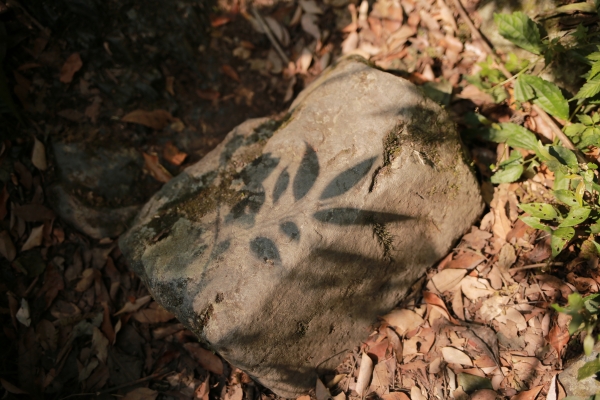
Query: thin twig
(538,265)
(269,34)
(543,115)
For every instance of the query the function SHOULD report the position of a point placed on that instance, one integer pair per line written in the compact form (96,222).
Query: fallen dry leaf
(278,30)
(157,171)
(395,396)
(558,339)
(364,375)
(153,315)
(530,394)
(403,320)
(448,279)
(23,315)
(35,238)
(33,212)
(157,119)
(87,279)
(130,307)
(219,20)
(206,358)
(230,72)
(141,394)
(309,25)
(455,356)
(70,67)
(99,345)
(474,288)
(9,387)
(173,155)
(38,155)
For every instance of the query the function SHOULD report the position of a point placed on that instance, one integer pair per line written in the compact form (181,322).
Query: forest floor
(78,323)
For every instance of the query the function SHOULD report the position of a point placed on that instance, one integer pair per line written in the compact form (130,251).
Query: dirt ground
(168,80)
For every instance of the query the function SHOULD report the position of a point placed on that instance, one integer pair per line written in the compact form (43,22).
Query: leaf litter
(482,326)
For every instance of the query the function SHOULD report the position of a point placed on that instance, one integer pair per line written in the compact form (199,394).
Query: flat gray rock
(282,246)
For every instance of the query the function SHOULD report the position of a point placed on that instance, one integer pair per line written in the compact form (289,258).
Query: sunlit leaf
(589,89)
(567,197)
(547,95)
(540,210)
(559,239)
(535,223)
(576,216)
(521,30)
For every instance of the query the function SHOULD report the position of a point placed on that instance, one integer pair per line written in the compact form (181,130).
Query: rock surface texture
(282,246)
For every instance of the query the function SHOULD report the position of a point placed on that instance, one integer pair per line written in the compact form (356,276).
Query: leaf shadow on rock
(357,285)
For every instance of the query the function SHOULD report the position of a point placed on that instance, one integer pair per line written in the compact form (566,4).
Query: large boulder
(282,246)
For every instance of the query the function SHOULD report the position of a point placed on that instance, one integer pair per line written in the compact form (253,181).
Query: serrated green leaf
(523,91)
(574,129)
(564,156)
(559,239)
(589,89)
(575,217)
(590,368)
(535,223)
(508,174)
(540,210)
(561,182)
(520,30)
(547,95)
(595,229)
(585,119)
(567,197)
(517,136)
(595,70)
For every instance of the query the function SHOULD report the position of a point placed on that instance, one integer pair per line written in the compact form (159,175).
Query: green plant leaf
(515,64)
(535,223)
(585,119)
(564,156)
(521,30)
(540,210)
(595,70)
(590,368)
(523,91)
(514,135)
(567,197)
(559,239)
(589,89)
(547,95)
(508,174)
(574,129)
(575,217)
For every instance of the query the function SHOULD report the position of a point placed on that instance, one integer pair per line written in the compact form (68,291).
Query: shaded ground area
(116,97)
